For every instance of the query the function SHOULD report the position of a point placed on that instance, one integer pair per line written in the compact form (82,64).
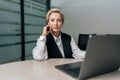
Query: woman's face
(55,22)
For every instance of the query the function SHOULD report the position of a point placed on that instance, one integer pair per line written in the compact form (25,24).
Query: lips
(55,28)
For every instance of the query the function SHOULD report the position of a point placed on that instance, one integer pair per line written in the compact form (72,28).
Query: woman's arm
(40,51)
(77,53)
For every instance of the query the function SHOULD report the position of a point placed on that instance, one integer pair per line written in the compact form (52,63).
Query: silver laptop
(102,56)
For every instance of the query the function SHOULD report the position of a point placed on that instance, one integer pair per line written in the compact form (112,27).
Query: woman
(53,43)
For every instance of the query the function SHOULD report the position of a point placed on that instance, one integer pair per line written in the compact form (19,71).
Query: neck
(56,34)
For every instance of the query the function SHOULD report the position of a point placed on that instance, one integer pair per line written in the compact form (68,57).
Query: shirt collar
(57,38)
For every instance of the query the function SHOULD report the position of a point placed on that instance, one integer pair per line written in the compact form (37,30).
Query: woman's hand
(46,30)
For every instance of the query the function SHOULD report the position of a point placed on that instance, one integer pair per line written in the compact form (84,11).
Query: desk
(43,70)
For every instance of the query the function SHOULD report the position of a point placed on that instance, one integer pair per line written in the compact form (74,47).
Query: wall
(90,16)
(11,48)
(10,39)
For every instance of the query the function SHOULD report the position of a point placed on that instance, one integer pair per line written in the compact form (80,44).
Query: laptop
(102,56)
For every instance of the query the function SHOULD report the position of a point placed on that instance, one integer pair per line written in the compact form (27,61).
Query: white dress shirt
(40,51)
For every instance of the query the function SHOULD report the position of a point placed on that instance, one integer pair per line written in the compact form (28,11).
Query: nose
(56,22)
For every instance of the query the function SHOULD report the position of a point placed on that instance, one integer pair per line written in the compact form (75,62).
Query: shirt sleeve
(77,53)
(40,51)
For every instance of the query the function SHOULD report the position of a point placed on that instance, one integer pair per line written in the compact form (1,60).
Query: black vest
(53,50)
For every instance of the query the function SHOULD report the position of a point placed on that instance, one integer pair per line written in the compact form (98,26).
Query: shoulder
(65,34)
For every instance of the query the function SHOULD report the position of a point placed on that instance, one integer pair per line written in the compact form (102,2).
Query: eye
(59,20)
(52,20)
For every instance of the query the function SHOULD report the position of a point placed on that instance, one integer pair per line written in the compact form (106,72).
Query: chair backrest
(82,41)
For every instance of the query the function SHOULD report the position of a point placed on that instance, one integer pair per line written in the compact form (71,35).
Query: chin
(56,30)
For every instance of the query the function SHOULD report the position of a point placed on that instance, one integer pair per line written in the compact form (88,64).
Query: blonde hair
(54,10)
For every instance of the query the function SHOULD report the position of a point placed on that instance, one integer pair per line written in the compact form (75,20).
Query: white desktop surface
(43,70)
(34,70)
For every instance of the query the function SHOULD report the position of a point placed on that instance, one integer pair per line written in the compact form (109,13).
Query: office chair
(82,41)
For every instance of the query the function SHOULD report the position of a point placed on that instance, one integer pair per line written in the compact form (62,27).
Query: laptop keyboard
(71,69)
(75,70)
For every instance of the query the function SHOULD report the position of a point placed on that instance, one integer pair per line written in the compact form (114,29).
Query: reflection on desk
(43,70)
